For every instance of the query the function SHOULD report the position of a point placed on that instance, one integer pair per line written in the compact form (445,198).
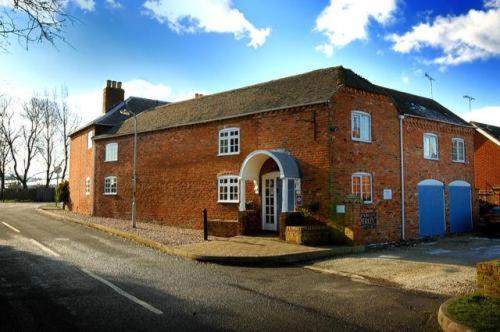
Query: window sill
(361,140)
(227,154)
(459,161)
(110,194)
(110,161)
(428,158)
(228,202)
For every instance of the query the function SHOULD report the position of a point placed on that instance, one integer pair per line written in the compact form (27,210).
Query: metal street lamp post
(134,179)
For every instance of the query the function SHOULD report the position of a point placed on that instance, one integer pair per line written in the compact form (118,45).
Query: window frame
(228,185)
(111,178)
(106,152)
(228,139)
(461,140)
(437,146)
(360,175)
(87,186)
(361,114)
(90,141)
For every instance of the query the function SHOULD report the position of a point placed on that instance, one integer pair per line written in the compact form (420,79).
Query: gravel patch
(168,235)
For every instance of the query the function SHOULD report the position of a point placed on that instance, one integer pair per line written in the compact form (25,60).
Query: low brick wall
(308,235)
(249,222)
(488,278)
(223,228)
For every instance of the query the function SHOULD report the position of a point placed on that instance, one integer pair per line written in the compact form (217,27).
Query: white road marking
(124,293)
(44,248)
(11,227)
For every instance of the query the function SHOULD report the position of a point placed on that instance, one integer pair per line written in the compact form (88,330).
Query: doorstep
(238,250)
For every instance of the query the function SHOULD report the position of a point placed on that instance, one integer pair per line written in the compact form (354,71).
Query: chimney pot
(108,83)
(119,85)
(113,84)
(198,95)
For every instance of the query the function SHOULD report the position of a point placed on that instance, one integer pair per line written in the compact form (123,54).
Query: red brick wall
(487,163)
(380,158)
(445,170)
(81,167)
(177,168)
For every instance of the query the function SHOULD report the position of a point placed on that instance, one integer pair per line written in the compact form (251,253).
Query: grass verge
(479,312)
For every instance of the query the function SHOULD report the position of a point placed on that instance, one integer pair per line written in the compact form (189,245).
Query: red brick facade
(81,167)
(177,168)
(487,168)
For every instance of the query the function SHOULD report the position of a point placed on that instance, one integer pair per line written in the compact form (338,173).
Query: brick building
(487,162)
(328,143)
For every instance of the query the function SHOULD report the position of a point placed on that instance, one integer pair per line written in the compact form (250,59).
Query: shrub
(62,193)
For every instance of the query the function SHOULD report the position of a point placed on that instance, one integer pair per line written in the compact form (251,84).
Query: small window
(228,189)
(229,141)
(362,186)
(431,148)
(111,152)
(458,150)
(361,126)
(87,186)
(90,136)
(110,185)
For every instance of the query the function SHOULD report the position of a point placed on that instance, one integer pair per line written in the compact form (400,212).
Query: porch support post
(284,201)
(242,195)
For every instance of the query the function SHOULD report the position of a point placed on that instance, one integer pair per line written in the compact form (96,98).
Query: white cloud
(217,16)
(87,5)
(114,4)
(344,21)
(488,114)
(405,78)
(462,39)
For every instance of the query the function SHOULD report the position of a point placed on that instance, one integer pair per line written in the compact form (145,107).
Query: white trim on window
(431,153)
(361,126)
(229,141)
(458,156)
(87,186)
(362,192)
(111,153)
(228,189)
(110,185)
(90,136)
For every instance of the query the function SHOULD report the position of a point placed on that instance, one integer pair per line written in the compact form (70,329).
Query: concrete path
(60,276)
(445,266)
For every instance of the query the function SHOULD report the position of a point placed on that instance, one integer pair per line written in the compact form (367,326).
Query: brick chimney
(112,95)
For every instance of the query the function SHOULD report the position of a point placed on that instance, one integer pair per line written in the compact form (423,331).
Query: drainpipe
(401,118)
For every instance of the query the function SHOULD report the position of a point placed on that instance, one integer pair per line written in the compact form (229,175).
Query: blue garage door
(459,193)
(431,208)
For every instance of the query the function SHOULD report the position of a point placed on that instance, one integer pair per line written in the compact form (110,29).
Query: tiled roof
(313,87)
(489,129)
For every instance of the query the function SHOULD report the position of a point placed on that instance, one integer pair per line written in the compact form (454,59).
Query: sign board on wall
(368,220)
(299,200)
(387,193)
(340,208)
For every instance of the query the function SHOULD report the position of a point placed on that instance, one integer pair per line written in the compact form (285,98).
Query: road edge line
(11,227)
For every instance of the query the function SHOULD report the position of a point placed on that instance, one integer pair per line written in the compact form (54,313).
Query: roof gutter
(217,119)
(441,121)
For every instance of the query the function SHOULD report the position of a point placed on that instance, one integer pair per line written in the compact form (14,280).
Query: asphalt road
(58,276)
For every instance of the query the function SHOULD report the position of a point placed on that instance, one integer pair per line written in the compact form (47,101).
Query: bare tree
(67,123)
(23,141)
(32,20)
(46,146)
(4,152)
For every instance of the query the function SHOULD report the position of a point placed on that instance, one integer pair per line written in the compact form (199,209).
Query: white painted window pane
(365,128)
(356,127)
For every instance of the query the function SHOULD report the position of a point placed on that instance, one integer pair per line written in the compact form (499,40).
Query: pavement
(238,250)
(446,266)
(57,276)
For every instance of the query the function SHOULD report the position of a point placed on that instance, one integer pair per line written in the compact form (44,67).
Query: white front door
(269,202)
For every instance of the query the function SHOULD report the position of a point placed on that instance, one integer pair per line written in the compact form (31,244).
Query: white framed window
(228,189)
(431,147)
(229,141)
(87,186)
(90,136)
(458,150)
(110,185)
(111,152)
(361,126)
(362,186)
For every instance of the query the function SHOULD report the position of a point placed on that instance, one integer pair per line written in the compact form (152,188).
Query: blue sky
(169,49)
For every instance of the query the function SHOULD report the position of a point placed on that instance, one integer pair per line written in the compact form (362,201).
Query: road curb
(277,260)
(447,323)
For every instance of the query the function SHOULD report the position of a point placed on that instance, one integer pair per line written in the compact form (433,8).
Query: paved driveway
(445,266)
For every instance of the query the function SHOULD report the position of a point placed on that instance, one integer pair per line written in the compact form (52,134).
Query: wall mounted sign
(387,193)
(368,220)
(299,200)
(340,208)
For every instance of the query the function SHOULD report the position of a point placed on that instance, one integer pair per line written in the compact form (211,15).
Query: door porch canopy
(289,173)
